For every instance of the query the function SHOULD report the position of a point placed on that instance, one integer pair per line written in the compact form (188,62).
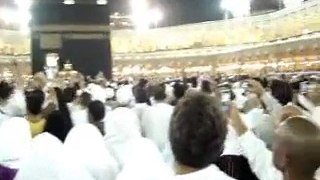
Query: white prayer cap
(44,159)
(97,92)
(15,141)
(124,95)
(85,143)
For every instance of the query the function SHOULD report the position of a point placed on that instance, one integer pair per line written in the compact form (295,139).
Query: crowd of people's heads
(204,116)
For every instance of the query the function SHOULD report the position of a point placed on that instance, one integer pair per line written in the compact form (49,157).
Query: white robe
(43,161)
(140,109)
(79,116)
(259,157)
(46,160)
(314,110)
(253,117)
(209,173)
(155,123)
(15,141)
(85,144)
(122,127)
(144,162)
(3,118)
(15,105)
(231,144)
(272,105)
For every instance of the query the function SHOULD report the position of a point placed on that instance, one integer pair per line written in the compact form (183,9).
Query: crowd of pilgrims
(197,128)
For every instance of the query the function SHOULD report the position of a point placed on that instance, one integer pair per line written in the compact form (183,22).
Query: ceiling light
(102,2)
(68,2)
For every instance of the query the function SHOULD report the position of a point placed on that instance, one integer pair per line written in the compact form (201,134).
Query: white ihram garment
(122,127)
(209,173)
(155,123)
(46,160)
(79,116)
(144,162)
(85,144)
(15,141)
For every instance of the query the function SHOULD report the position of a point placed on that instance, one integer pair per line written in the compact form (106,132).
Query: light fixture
(68,2)
(156,16)
(292,3)
(237,8)
(102,2)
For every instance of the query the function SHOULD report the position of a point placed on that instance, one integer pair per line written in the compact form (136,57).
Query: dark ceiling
(177,11)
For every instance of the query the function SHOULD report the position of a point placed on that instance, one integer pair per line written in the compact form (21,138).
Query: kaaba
(79,33)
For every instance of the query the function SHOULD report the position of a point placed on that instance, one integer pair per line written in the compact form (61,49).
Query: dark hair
(5,90)
(159,92)
(69,94)
(142,83)
(34,101)
(141,95)
(97,110)
(194,82)
(58,125)
(197,131)
(85,99)
(206,86)
(282,91)
(179,90)
(63,108)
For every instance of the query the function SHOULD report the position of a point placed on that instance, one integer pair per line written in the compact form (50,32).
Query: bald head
(289,111)
(300,140)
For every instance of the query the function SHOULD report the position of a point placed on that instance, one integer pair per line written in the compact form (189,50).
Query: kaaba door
(87,56)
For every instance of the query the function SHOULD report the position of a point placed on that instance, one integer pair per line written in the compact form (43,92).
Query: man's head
(297,146)
(39,80)
(197,131)
(282,91)
(289,111)
(141,95)
(97,111)
(206,86)
(5,90)
(179,90)
(85,99)
(194,82)
(69,94)
(159,92)
(34,101)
